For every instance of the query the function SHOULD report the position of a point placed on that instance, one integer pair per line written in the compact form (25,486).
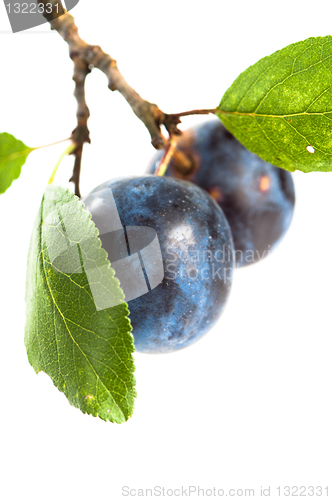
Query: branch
(81,133)
(93,56)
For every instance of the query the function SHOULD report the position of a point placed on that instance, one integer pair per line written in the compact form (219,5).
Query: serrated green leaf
(281,107)
(77,327)
(13,154)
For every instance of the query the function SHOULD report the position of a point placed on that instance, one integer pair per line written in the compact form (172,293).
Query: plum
(257,198)
(172,250)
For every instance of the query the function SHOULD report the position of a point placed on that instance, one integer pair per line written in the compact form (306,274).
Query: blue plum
(178,306)
(256,197)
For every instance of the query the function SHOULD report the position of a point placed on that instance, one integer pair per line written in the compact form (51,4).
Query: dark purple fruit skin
(256,197)
(181,309)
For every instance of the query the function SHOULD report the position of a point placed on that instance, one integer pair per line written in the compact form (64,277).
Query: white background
(247,406)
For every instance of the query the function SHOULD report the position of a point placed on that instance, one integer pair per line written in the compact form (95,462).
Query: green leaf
(13,154)
(281,107)
(77,327)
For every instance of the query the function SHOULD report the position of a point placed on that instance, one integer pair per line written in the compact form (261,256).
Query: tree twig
(81,133)
(75,178)
(85,58)
(93,56)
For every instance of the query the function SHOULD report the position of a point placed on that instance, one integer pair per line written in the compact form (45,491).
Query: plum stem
(167,156)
